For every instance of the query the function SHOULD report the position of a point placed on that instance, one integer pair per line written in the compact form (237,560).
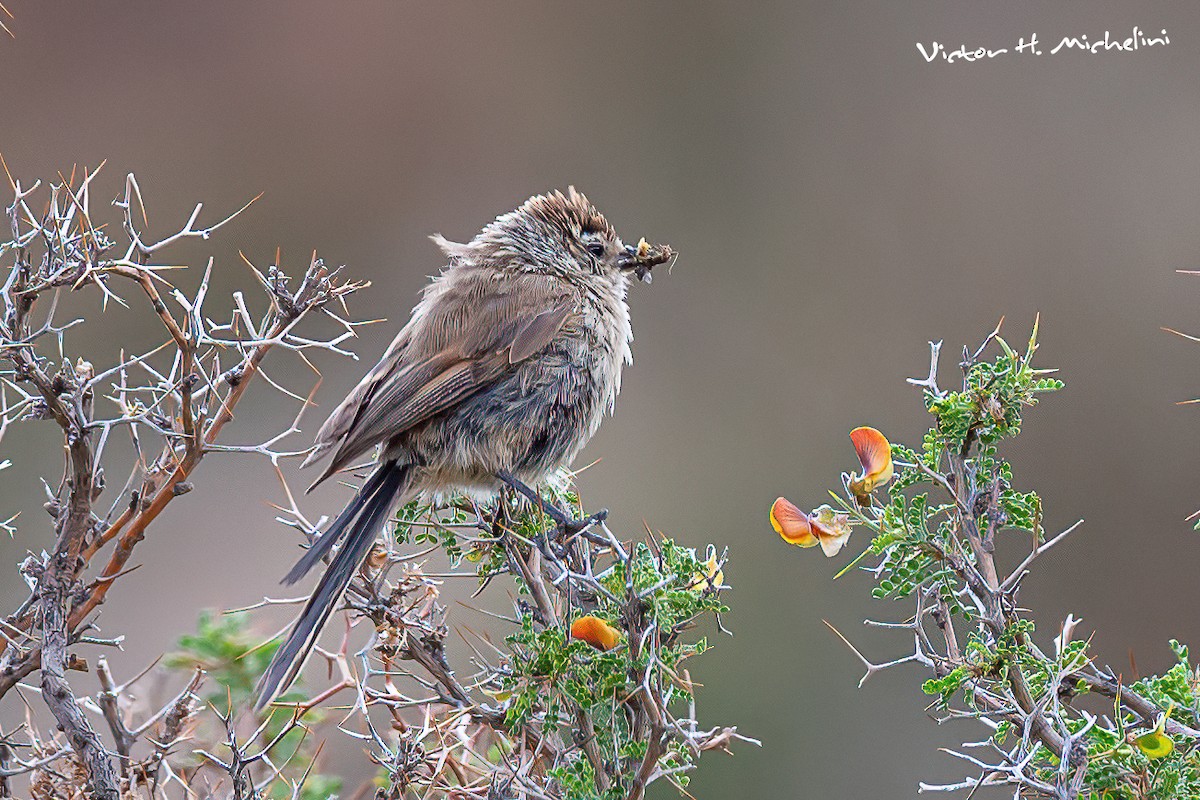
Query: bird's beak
(640,259)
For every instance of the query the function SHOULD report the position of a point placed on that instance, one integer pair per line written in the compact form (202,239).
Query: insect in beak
(643,257)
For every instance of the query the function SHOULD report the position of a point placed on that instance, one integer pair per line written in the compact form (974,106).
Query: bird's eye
(596,249)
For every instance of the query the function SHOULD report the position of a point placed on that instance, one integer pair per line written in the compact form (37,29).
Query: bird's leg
(569,525)
(500,519)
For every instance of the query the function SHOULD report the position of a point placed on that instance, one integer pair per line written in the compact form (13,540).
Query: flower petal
(875,455)
(832,529)
(832,542)
(596,632)
(1155,744)
(792,524)
(712,577)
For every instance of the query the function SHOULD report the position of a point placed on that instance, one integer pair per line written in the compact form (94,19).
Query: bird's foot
(573,526)
(567,523)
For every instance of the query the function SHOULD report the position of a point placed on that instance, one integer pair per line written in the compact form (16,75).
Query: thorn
(11,182)
(871,668)
(1187,336)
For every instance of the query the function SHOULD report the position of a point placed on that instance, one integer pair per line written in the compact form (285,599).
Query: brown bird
(501,376)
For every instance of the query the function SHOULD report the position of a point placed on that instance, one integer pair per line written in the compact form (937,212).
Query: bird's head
(562,234)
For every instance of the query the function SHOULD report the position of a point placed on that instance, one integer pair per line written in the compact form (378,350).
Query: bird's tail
(355,528)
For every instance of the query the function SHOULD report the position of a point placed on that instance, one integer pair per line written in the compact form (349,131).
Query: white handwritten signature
(1139,40)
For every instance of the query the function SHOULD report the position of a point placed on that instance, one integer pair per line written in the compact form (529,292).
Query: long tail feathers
(340,527)
(358,525)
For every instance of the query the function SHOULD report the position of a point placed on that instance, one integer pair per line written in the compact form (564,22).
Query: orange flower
(792,524)
(596,632)
(824,526)
(875,455)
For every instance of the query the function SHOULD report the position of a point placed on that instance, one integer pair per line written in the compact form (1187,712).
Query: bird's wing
(467,338)
(342,418)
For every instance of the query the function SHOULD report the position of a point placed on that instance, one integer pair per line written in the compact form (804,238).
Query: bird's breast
(536,419)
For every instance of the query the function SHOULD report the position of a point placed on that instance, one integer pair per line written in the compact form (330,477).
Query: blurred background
(837,201)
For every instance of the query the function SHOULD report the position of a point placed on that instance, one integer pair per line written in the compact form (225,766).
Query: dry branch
(184,408)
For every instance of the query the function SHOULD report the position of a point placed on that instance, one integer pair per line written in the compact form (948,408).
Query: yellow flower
(824,526)
(596,632)
(712,578)
(875,455)
(499,695)
(1156,744)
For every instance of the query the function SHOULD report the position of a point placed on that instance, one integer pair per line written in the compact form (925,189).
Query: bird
(504,371)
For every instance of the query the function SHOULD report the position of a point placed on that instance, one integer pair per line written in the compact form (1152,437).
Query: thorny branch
(175,394)
(449,729)
(540,715)
(1023,695)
